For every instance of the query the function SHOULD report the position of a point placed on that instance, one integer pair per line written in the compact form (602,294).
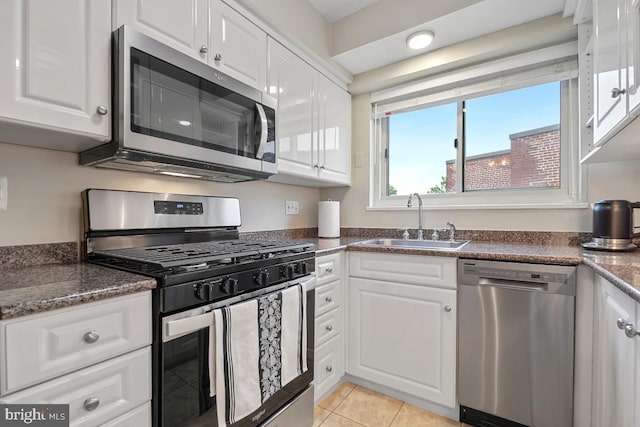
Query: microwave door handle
(264,125)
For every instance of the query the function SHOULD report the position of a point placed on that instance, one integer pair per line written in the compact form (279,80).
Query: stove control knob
(303,268)
(229,286)
(202,291)
(262,278)
(288,271)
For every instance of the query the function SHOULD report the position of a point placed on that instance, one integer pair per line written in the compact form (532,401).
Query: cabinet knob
(218,57)
(329,269)
(447,308)
(322,167)
(621,323)
(629,331)
(91,403)
(91,337)
(203,49)
(328,299)
(329,328)
(616,92)
(316,166)
(102,110)
(329,368)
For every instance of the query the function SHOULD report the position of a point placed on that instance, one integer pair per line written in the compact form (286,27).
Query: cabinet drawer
(329,365)
(43,346)
(329,325)
(139,417)
(415,269)
(328,297)
(117,386)
(328,268)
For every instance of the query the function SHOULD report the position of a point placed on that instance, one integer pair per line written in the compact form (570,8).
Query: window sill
(486,206)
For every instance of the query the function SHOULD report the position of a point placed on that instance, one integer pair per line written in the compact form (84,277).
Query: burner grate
(181,255)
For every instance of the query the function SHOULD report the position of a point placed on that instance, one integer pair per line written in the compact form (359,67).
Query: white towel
(256,348)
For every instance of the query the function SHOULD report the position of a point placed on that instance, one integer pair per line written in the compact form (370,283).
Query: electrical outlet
(3,193)
(291,207)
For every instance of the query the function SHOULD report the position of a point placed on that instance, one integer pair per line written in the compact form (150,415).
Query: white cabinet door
(633,52)
(334,132)
(403,336)
(609,65)
(98,393)
(292,81)
(182,25)
(614,358)
(54,67)
(238,47)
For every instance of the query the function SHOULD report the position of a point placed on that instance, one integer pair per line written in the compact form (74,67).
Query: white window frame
(556,63)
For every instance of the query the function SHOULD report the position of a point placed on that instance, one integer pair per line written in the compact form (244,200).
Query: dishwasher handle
(527,286)
(513,284)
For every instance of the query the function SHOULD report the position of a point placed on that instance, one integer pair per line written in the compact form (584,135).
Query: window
(503,138)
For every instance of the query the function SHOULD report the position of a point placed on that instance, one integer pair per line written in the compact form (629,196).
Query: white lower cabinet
(329,324)
(95,357)
(99,393)
(402,333)
(616,364)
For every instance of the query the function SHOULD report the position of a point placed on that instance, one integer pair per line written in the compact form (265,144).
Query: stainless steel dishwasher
(515,343)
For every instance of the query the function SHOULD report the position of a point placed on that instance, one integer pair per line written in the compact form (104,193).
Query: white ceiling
(371,48)
(335,10)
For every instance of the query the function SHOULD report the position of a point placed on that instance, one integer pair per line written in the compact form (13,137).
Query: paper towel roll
(329,219)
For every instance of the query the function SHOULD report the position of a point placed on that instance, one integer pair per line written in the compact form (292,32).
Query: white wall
(45,205)
(605,181)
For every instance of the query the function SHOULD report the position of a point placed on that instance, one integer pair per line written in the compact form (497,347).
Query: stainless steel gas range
(191,246)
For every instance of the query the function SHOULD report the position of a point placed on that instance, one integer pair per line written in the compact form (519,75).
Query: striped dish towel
(256,348)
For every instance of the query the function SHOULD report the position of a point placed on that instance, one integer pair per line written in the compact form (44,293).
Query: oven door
(184,369)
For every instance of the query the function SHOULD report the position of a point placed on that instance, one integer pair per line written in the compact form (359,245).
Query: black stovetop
(193,261)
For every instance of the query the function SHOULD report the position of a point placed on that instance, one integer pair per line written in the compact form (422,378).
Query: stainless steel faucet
(452,231)
(420,232)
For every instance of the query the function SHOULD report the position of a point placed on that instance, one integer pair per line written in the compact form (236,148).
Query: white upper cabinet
(616,56)
(238,47)
(313,122)
(179,24)
(54,67)
(208,30)
(610,75)
(334,132)
(292,81)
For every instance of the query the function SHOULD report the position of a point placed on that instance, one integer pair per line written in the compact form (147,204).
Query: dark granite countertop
(27,289)
(620,268)
(38,288)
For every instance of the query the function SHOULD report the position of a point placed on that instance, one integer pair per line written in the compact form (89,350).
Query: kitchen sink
(442,245)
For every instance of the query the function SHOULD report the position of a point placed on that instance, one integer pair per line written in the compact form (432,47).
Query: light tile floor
(355,406)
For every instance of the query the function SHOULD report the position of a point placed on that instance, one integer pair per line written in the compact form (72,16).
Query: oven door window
(185,380)
(170,103)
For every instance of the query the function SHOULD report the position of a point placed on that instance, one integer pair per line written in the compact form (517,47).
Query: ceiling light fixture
(420,39)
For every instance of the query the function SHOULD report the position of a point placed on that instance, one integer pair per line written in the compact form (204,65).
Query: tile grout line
(396,415)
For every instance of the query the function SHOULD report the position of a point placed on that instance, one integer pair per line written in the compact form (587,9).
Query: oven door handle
(187,325)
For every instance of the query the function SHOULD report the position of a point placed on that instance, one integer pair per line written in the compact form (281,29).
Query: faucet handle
(405,233)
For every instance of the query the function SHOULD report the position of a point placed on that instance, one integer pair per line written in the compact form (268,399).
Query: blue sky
(422,141)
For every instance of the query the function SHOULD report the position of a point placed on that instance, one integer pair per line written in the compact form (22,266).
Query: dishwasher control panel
(479,272)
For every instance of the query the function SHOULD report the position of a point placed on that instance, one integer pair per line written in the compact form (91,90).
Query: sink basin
(442,245)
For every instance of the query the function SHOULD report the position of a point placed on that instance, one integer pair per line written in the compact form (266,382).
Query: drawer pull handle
(329,368)
(329,328)
(91,403)
(329,269)
(91,337)
(447,308)
(328,299)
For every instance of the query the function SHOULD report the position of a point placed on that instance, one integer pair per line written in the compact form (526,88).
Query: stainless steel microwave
(175,115)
